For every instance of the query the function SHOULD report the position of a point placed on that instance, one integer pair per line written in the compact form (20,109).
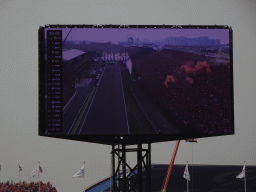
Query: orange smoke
(169,78)
(199,66)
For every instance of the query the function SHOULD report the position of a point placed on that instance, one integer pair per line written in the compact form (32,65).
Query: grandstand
(210,178)
(26,187)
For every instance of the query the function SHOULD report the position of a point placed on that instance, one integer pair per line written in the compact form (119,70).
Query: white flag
(127,170)
(242,174)
(80,173)
(34,173)
(186,173)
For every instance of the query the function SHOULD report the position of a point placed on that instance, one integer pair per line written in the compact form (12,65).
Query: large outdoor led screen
(130,81)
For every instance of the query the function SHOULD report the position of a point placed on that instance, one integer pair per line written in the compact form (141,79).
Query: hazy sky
(151,34)
(61,159)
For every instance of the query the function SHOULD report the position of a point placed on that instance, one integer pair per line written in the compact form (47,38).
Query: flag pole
(187,181)
(192,167)
(84,177)
(244,178)
(129,177)
(39,174)
(111,162)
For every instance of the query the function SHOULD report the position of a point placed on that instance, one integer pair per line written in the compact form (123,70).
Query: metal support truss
(138,178)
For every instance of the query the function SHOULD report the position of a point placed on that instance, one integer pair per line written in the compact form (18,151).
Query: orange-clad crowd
(26,187)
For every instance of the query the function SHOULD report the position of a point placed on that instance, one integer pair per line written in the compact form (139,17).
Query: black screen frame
(125,139)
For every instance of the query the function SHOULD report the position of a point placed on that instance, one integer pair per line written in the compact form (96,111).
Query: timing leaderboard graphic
(120,81)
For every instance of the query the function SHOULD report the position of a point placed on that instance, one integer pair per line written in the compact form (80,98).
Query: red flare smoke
(199,66)
(169,78)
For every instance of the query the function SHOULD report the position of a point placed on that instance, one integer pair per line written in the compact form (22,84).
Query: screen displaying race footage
(124,81)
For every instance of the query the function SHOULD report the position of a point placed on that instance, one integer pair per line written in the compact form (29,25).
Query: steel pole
(244,178)
(187,185)
(39,174)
